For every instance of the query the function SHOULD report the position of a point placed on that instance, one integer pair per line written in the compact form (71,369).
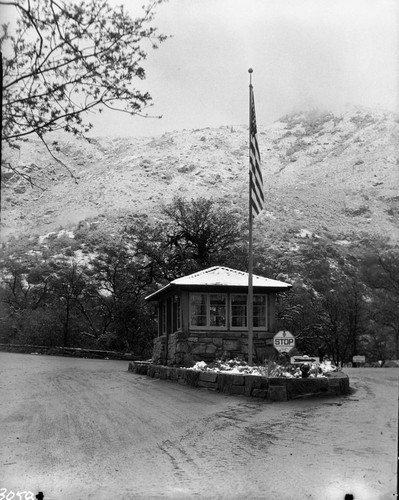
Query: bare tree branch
(66,59)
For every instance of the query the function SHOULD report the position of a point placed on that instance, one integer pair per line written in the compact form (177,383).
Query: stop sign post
(284,341)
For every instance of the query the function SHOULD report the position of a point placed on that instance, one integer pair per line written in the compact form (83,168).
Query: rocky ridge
(324,174)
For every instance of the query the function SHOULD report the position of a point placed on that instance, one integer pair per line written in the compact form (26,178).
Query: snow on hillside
(323,172)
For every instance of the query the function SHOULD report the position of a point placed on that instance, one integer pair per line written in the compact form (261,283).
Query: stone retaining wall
(274,389)
(66,351)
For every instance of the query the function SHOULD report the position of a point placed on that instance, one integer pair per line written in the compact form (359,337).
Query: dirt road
(88,429)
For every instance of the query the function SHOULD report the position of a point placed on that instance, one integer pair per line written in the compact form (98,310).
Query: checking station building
(203,316)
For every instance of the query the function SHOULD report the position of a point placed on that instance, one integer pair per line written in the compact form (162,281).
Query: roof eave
(154,296)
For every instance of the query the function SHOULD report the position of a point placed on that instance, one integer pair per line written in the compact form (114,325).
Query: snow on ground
(88,429)
(269,369)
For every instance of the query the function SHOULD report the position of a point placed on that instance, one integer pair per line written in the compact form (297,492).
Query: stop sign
(284,341)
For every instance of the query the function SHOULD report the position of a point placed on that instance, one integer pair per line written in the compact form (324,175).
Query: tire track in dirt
(212,443)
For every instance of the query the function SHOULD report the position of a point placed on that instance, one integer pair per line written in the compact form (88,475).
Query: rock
(208,376)
(192,377)
(391,363)
(277,393)
(225,382)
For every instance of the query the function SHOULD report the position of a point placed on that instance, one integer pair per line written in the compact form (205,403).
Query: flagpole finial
(250,71)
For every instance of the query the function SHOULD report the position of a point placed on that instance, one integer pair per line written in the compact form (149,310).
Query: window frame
(245,328)
(246,311)
(177,310)
(164,320)
(229,312)
(266,316)
(208,311)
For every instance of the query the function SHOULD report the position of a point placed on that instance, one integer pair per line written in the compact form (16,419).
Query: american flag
(256,182)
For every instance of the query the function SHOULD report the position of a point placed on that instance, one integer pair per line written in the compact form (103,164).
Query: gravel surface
(88,429)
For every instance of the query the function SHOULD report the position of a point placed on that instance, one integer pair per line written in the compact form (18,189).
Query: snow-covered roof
(223,276)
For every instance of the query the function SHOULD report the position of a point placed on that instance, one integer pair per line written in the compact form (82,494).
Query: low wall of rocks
(66,351)
(274,389)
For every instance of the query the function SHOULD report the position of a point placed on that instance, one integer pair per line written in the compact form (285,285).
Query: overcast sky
(304,53)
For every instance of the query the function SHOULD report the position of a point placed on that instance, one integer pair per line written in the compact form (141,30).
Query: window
(164,318)
(259,311)
(208,310)
(176,313)
(239,311)
(217,310)
(198,306)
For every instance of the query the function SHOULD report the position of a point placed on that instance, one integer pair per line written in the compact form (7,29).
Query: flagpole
(250,246)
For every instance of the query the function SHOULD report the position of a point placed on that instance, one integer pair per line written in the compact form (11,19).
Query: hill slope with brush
(324,173)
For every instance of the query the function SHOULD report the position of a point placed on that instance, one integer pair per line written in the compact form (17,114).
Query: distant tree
(53,299)
(196,233)
(118,312)
(326,310)
(8,328)
(39,296)
(381,273)
(377,343)
(341,313)
(67,58)
(297,312)
(39,327)
(161,261)
(67,285)
(201,229)
(272,263)
(26,282)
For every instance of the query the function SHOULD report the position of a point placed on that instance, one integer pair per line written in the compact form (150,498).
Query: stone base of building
(181,349)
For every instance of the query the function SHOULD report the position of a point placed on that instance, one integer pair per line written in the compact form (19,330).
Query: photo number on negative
(19,495)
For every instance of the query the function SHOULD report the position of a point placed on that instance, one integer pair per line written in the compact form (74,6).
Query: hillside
(325,174)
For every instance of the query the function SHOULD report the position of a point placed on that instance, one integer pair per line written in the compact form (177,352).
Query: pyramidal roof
(223,276)
(226,276)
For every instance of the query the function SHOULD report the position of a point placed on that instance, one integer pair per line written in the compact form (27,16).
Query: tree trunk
(66,325)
